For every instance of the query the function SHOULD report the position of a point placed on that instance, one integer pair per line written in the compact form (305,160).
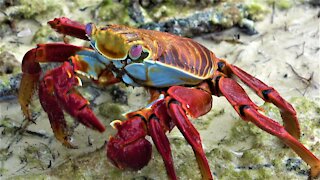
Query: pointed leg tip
(66,141)
(101,128)
(30,119)
(70,145)
(63,135)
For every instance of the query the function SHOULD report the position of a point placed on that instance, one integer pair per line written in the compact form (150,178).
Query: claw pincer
(180,74)
(57,92)
(128,148)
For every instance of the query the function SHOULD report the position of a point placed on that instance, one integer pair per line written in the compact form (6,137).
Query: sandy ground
(285,54)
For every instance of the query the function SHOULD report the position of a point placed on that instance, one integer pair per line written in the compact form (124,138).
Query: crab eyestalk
(90,29)
(129,149)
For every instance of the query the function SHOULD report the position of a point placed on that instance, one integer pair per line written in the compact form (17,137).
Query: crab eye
(135,52)
(89,28)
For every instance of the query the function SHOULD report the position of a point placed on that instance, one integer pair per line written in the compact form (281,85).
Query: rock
(8,63)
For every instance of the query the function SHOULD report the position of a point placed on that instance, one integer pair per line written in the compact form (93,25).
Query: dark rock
(315,2)
(196,24)
(8,63)
(118,95)
(135,12)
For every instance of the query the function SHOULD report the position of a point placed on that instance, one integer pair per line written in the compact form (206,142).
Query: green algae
(227,15)
(242,131)
(8,126)
(30,9)
(114,13)
(37,157)
(111,111)
(203,123)
(221,153)
(5,82)
(250,157)
(42,35)
(168,8)
(5,154)
(282,4)
(3,171)
(256,11)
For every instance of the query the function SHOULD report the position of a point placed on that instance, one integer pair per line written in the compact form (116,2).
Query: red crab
(180,74)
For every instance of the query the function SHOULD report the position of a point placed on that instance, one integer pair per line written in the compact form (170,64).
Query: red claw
(66,26)
(129,149)
(57,93)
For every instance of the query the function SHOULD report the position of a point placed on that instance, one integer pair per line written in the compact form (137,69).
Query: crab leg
(158,124)
(30,77)
(269,94)
(249,112)
(162,144)
(55,113)
(180,119)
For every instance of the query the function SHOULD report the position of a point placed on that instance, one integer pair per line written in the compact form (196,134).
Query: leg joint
(242,108)
(265,93)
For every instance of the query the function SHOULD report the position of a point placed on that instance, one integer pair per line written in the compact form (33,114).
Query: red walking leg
(163,145)
(192,136)
(269,94)
(249,112)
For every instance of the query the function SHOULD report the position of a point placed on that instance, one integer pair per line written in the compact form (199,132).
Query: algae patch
(113,12)
(31,9)
(111,110)
(282,4)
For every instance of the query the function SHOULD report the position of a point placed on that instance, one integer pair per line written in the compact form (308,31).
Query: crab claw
(129,149)
(69,27)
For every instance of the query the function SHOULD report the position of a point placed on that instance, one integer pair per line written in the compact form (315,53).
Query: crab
(180,74)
